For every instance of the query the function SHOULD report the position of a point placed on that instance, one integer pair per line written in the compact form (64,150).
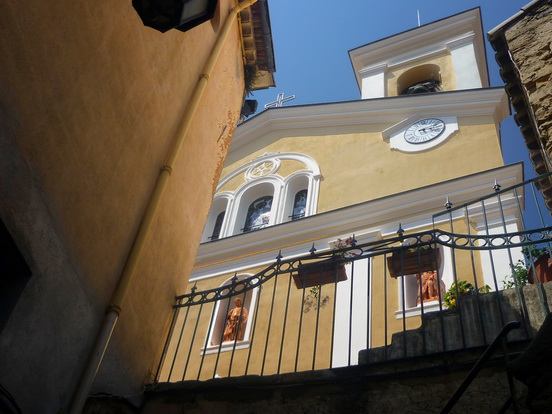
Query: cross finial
(280,100)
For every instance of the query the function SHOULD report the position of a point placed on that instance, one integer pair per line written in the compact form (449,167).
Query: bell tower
(445,55)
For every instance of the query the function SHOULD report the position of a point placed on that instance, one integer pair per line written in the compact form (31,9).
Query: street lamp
(183,15)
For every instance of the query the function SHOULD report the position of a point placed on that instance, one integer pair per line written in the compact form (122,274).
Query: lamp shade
(249,107)
(164,15)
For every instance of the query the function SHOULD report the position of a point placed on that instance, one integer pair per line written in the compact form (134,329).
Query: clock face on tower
(424,130)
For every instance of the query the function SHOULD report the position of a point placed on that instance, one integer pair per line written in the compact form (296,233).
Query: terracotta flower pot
(543,268)
(320,273)
(402,262)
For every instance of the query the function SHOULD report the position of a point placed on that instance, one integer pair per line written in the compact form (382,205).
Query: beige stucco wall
(283,317)
(90,101)
(280,317)
(358,165)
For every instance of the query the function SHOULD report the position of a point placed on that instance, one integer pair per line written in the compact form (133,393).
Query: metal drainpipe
(114,309)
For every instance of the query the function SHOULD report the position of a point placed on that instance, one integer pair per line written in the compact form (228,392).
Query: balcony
(366,304)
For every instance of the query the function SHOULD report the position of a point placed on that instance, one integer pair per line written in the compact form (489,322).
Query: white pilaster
(465,63)
(373,81)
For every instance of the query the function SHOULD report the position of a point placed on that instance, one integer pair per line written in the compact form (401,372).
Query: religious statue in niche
(235,322)
(430,286)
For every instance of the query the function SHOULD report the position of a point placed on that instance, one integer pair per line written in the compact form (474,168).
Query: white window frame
(412,308)
(218,321)
(282,190)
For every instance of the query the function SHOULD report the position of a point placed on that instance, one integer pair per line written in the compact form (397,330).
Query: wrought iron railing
(368,302)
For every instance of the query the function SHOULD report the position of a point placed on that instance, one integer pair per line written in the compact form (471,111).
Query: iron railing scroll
(363,304)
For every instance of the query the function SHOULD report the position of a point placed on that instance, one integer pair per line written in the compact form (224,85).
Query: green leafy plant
(251,74)
(520,270)
(519,276)
(464,288)
(415,249)
(533,252)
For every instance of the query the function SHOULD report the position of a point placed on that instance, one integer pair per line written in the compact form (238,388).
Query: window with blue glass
(258,214)
(299,205)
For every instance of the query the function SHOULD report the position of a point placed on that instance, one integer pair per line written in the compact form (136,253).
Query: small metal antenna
(418,11)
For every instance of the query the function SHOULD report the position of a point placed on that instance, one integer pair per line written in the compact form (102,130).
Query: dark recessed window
(423,87)
(258,214)
(299,205)
(218,226)
(14,274)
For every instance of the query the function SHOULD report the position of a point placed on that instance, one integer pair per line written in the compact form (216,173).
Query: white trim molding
(376,218)
(261,179)
(419,44)
(473,102)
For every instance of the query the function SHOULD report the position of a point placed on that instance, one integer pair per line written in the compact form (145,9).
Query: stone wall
(420,386)
(523,50)
(422,382)
(529,43)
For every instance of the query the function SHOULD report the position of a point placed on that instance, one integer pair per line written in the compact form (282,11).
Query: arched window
(299,205)
(421,79)
(264,198)
(258,214)
(218,217)
(218,226)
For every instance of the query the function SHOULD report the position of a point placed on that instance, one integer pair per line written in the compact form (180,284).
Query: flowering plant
(343,244)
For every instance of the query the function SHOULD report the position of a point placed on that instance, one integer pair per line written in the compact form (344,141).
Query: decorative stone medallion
(262,169)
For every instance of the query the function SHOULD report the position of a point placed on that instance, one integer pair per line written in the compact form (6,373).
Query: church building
(325,176)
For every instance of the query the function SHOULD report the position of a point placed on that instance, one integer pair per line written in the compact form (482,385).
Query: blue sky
(312,40)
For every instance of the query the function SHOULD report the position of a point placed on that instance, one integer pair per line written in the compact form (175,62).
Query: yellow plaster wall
(289,167)
(92,99)
(300,330)
(358,165)
(233,184)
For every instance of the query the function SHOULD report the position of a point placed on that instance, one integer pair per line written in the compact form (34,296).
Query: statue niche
(235,322)
(430,286)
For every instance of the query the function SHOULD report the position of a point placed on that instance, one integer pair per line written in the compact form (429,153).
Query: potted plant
(464,288)
(408,261)
(542,267)
(325,271)
(523,271)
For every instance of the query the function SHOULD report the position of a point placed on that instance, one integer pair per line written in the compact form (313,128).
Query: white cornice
(377,68)
(293,238)
(424,41)
(471,102)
